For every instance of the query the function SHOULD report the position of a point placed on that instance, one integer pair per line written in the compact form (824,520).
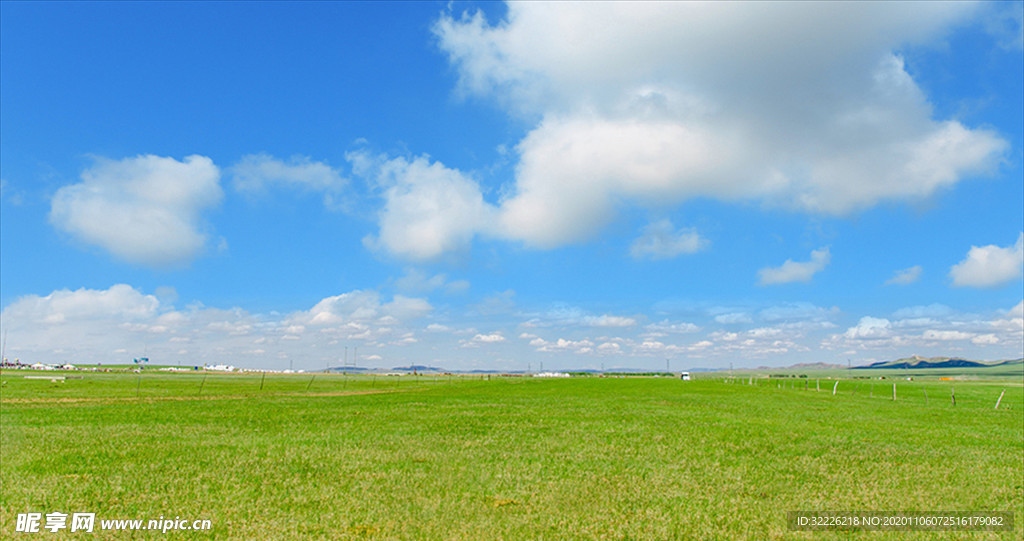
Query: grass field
(363,457)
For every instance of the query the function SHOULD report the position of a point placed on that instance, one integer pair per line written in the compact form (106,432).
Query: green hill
(917,362)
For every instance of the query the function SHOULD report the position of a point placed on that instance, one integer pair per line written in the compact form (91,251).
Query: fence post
(893,392)
(262,379)
(952,395)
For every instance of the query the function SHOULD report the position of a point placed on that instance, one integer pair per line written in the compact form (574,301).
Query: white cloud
(416,281)
(797,311)
(564,345)
(905,276)
(1017,311)
(121,302)
(661,240)
(667,326)
(939,329)
(606,320)
(429,209)
(793,271)
(254,173)
(362,306)
(733,318)
(573,171)
(489,338)
(571,316)
(799,105)
(870,327)
(990,266)
(934,310)
(143,210)
(985,339)
(482,339)
(947,335)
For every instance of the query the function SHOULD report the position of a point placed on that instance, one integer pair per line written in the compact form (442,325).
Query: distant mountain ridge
(806,366)
(916,362)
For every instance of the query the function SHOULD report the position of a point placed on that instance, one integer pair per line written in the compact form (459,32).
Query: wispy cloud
(794,271)
(905,277)
(661,240)
(256,173)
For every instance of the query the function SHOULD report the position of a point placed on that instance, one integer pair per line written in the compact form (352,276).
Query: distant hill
(916,362)
(807,366)
(418,368)
(344,369)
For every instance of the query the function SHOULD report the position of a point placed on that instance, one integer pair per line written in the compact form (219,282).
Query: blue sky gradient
(488,186)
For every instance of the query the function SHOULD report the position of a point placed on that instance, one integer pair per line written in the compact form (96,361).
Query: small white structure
(551,375)
(220,368)
(685,376)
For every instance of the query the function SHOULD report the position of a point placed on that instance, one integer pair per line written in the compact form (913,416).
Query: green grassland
(371,457)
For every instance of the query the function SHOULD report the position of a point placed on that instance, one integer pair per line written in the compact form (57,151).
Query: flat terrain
(365,457)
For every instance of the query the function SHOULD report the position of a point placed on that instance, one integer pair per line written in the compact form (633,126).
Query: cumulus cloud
(429,209)
(798,105)
(990,266)
(480,339)
(794,271)
(566,345)
(905,276)
(361,306)
(142,210)
(870,327)
(255,173)
(661,240)
(121,302)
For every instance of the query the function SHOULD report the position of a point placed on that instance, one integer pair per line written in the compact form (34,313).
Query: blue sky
(487,186)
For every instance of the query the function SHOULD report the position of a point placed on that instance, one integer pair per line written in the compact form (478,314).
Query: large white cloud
(146,209)
(990,266)
(800,105)
(429,209)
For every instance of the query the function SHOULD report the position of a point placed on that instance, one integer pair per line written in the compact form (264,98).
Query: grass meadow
(365,457)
